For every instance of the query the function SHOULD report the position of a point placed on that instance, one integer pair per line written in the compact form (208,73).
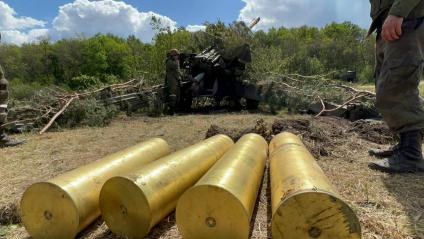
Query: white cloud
(10,21)
(294,13)
(17,29)
(105,16)
(19,37)
(195,28)
(82,17)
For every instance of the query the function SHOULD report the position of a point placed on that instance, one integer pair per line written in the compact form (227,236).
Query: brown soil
(261,128)
(374,131)
(320,135)
(388,206)
(9,214)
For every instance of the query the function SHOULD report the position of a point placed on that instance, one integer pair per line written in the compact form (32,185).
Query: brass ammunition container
(133,204)
(63,206)
(221,204)
(304,203)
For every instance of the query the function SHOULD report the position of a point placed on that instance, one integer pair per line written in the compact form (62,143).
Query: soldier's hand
(392,28)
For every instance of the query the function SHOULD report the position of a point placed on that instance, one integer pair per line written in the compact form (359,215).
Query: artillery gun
(216,73)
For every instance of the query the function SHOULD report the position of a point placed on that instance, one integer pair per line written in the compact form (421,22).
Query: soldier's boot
(381,153)
(407,159)
(6,141)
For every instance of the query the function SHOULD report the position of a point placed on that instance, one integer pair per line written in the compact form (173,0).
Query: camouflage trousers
(173,94)
(3,114)
(3,119)
(399,69)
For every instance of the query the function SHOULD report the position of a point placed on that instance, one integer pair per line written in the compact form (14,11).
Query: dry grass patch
(389,206)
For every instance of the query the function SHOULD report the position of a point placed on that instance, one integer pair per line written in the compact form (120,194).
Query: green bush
(87,112)
(21,91)
(366,75)
(83,82)
(110,79)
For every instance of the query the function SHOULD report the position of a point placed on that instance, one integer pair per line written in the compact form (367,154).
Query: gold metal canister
(63,206)
(221,204)
(304,203)
(132,205)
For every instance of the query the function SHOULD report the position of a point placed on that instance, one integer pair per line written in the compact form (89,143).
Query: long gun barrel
(254,23)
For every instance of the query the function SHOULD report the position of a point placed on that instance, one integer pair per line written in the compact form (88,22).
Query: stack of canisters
(213,186)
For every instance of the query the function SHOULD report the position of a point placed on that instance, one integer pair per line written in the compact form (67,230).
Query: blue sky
(189,12)
(184,12)
(40,9)
(30,20)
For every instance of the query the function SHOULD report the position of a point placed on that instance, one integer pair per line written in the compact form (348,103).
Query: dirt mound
(292,126)
(260,128)
(373,130)
(321,129)
(320,135)
(9,215)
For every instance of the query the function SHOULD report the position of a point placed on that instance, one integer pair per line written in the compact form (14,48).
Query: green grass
(4,230)
(371,87)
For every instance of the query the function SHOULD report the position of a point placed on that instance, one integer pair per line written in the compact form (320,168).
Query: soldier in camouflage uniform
(399,69)
(173,80)
(5,141)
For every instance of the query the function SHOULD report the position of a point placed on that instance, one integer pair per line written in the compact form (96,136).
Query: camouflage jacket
(4,93)
(409,9)
(173,73)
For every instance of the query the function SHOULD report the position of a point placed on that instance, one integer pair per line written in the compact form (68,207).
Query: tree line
(83,62)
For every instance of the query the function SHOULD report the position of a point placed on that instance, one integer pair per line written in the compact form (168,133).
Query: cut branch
(349,88)
(114,86)
(324,110)
(47,127)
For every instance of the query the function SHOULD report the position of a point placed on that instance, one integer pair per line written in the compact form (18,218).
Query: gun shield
(304,203)
(220,205)
(132,205)
(63,206)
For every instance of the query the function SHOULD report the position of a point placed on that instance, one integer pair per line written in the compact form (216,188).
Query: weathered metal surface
(220,205)
(304,203)
(63,206)
(133,204)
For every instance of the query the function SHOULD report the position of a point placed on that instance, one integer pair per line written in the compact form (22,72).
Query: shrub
(110,79)
(83,82)
(366,74)
(20,91)
(87,112)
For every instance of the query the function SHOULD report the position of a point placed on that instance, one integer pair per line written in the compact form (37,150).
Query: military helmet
(174,52)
